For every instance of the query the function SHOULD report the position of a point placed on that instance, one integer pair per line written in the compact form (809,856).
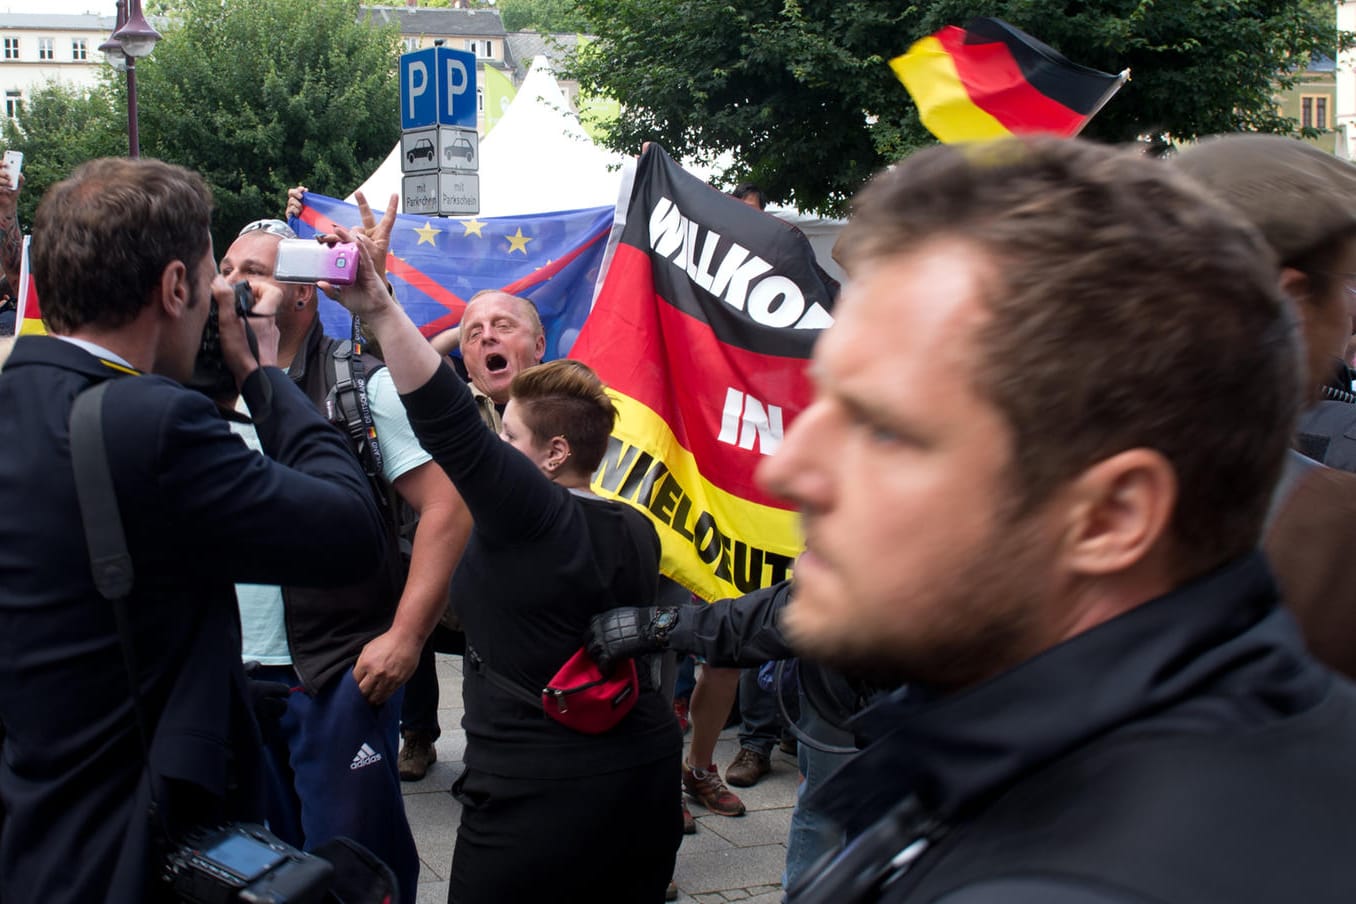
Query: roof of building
(1320,63)
(421,20)
(525,46)
(49,22)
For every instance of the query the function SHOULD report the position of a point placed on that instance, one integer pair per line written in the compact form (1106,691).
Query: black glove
(268,699)
(626,632)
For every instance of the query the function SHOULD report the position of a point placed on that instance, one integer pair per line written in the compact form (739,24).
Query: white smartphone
(308,261)
(14,164)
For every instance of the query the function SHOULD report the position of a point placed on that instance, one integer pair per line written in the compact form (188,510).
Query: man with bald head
(499,335)
(347,651)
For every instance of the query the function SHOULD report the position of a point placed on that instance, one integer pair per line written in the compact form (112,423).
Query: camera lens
(244,298)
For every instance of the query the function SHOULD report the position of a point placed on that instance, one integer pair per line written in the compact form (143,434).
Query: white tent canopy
(537,159)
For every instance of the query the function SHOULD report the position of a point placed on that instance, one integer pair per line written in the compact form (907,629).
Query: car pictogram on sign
(459,147)
(422,148)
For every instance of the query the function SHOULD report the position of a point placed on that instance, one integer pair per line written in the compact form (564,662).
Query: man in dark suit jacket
(123,256)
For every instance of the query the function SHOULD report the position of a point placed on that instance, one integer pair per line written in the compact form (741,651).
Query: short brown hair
(1128,310)
(103,237)
(566,398)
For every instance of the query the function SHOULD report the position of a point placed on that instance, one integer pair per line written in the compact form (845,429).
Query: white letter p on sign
(418,75)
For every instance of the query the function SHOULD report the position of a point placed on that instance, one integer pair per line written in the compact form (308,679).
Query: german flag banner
(702,330)
(989,79)
(28,315)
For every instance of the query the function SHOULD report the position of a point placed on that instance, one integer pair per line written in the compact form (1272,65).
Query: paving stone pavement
(727,860)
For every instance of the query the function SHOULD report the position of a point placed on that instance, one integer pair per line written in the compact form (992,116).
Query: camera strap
(800,734)
(110,563)
(349,379)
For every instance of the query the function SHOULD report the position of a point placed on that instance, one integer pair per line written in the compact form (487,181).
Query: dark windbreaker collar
(956,750)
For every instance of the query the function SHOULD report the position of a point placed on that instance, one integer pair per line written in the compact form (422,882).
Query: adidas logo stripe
(365,756)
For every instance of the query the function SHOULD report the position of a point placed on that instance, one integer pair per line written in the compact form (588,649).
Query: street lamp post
(132,38)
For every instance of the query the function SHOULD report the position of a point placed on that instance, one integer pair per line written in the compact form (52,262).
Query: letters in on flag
(989,79)
(702,331)
(436,264)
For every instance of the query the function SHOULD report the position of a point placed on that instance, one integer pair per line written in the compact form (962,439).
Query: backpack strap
(348,407)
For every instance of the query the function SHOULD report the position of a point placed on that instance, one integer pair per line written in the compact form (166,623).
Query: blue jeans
(813,834)
(760,726)
(687,676)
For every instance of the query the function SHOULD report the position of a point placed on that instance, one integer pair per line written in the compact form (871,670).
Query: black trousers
(598,839)
(419,712)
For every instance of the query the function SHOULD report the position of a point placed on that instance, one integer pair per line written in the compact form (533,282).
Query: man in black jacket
(1029,496)
(123,256)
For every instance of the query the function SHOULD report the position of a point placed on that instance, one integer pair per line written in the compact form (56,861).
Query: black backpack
(346,407)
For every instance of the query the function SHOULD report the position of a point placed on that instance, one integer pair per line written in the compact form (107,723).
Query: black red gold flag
(990,79)
(702,331)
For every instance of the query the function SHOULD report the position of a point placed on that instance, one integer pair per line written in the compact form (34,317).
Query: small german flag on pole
(989,79)
(28,317)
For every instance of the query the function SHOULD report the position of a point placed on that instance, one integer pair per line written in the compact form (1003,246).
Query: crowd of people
(1073,563)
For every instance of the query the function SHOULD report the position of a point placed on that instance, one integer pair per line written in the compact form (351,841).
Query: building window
(79,48)
(45,51)
(480,100)
(11,48)
(411,44)
(482,49)
(1314,111)
(14,104)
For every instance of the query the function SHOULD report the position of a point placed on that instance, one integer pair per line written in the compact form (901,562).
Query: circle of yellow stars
(516,242)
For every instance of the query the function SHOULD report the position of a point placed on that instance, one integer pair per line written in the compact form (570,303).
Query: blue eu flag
(436,264)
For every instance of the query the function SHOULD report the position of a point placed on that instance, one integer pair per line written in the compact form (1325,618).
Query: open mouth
(496,363)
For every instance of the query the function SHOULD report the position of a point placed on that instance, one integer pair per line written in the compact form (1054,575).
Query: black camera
(243,862)
(210,374)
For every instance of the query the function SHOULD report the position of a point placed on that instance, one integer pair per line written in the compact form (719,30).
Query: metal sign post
(439,145)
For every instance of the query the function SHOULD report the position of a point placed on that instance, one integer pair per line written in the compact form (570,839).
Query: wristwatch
(663,622)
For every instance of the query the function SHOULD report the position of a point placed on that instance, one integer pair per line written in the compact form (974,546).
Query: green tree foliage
(561,16)
(60,128)
(801,93)
(264,95)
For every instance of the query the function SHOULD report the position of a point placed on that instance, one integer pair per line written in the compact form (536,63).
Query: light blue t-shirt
(262,627)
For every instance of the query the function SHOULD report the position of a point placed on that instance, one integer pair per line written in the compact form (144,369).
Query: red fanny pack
(578,696)
(581,697)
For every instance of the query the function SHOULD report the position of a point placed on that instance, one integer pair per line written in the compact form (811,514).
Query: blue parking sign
(419,88)
(437,87)
(456,88)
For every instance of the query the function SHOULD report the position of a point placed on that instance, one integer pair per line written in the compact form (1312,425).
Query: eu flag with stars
(436,264)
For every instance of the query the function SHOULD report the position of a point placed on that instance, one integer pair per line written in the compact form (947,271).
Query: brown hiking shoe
(416,755)
(707,789)
(747,768)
